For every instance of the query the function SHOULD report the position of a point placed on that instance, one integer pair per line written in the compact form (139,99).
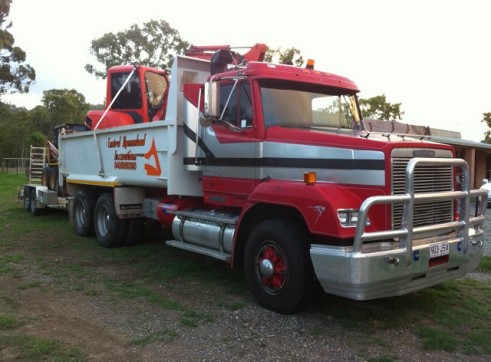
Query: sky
(433,57)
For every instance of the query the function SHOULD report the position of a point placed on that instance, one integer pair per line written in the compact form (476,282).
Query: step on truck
(268,167)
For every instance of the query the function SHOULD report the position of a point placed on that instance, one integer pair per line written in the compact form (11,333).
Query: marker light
(310,178)
(310,64)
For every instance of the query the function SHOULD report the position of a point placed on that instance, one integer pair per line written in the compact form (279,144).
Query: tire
(109,229)
(83,212)
(27,199)
(36,211)
(53,179)
(134,229)
(278,268)
(45,176)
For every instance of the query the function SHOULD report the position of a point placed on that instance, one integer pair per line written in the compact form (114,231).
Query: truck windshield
(293,104)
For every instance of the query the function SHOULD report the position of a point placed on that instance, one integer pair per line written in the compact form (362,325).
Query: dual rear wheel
(93,214)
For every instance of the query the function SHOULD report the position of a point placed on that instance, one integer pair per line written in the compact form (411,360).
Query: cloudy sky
(434,57)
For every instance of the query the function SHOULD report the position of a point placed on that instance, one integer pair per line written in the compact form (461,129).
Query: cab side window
(238,111)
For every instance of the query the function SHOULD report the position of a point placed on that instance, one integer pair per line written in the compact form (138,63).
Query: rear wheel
(83,212)
(278,267)
(109,229)
(27,199)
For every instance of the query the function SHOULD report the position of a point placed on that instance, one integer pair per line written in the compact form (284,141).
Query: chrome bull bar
(407,232)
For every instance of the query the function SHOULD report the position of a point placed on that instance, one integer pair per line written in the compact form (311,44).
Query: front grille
(426,179)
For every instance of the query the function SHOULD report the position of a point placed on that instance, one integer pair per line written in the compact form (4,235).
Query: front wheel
(278,267)
(109,229)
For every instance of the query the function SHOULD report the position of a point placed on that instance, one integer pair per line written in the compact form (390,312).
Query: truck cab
(135,94)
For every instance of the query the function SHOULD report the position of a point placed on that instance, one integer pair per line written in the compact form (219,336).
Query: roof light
(310,178)
(310,64)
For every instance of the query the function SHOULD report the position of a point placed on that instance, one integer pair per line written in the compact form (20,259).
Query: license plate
(439,249)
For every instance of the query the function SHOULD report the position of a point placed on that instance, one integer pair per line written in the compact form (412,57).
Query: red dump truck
(268,167)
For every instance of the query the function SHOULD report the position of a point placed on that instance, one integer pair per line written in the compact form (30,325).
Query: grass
(485,265)
(8,322)
(446,317)
(37,348)
(43,253)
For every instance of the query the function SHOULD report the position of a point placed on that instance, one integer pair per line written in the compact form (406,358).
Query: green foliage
(15,74)
(378,108)
(65,106)
(154,44)
(36,139)
(286,56)
(20,128)
(15,126)
(487,119)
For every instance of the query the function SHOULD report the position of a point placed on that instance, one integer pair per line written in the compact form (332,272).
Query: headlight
(348,218)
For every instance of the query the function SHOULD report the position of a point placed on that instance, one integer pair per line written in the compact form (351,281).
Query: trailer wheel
(34,209)
(109,229)
(278,267)
(83,212)
(27,199)
(45,176)
(53,179)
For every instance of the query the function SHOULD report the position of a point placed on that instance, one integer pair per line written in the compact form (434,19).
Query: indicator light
(310,178)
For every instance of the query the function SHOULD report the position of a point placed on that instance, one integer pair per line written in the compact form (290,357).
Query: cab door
(232,146)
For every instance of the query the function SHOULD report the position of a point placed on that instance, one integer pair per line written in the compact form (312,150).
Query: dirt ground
(75,308)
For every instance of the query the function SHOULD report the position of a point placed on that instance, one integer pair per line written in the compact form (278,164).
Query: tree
(64,106)
(154,44)
(15,74)
(378,108)
(487,119)
(15,126)
(287,56)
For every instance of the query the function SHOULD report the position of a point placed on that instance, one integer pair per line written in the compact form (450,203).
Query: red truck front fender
(318,204)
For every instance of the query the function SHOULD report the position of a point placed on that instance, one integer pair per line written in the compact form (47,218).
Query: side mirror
(211,111)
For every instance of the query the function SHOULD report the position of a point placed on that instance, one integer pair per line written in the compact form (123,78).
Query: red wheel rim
(272,268)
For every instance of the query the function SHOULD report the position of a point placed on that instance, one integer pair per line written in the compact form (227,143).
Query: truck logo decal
(319,210)
(424,153)
(128,159)
(153,170)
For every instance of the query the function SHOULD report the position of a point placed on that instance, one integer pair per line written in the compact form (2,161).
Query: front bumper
(377,274)
(395,262)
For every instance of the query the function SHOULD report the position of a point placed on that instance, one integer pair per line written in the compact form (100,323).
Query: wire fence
(19,166)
